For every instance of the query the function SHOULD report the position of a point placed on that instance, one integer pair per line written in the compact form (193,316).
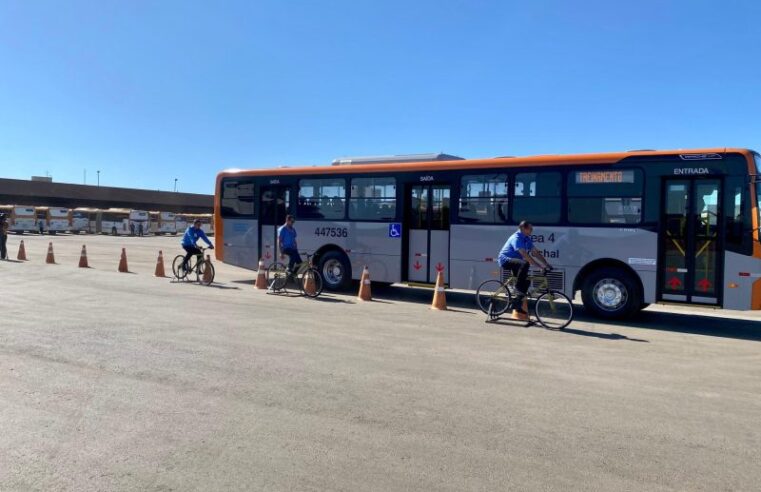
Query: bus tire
(611,293)
(335,270)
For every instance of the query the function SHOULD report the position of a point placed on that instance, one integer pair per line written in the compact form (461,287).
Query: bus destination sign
(604,177)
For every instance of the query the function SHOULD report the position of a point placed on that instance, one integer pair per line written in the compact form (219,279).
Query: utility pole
(85,180)
(175,185)
(98,171)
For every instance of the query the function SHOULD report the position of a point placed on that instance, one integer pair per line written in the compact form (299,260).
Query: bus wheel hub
(332,271)
(610,294)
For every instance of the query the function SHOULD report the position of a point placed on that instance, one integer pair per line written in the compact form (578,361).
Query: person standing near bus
(516,256)
(190,242)
(3,238)
(286,237)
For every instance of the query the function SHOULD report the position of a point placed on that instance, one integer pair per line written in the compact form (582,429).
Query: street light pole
(98,177)
(175,185)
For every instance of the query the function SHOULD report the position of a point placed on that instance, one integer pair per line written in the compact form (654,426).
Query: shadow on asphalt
(694,324)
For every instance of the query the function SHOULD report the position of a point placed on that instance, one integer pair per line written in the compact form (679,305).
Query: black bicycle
(552,308)
(306,277)
(197,263)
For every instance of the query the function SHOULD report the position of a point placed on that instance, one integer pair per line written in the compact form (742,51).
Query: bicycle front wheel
(554,310)
(205,272)
(311,283)
(179,272)
(493,297)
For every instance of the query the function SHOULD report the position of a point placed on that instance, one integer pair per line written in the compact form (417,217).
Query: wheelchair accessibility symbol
(395,230)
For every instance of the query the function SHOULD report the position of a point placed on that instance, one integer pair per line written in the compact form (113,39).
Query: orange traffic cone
(309,287)
(83,258)
(21,252)
(520,316)
(123,262)
(207,272)
(364,286)
(261,277)
(439,295)
(50,259)
(160,266)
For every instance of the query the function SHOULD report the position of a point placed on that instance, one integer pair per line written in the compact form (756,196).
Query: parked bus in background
(625,229)
(42,219)
(83,220)
(181,222)
(114,221)
(20,218)
(139,222)
(58,219)
(163,223)
(207,222)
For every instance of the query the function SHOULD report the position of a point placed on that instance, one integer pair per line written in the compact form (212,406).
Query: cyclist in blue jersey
(286,237)
(190,242)
(516,256)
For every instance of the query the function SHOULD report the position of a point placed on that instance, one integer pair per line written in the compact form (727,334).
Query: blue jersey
(287,237)
(192,235)
(515,242)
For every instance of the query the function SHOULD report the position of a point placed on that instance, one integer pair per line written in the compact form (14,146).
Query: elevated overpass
(41,193)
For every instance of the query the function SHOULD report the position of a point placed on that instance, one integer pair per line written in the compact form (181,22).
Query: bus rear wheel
(335,270)
(611,293)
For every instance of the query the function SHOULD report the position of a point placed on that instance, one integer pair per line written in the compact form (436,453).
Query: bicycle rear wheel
(493,297)
(277,277)
(311,283)
(553,310)
(205,272)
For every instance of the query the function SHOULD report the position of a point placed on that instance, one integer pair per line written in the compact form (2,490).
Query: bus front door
(427,221)
(275,204)
(691,247)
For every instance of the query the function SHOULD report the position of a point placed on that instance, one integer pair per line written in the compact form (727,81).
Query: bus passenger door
(691,248)
(275,204)
(427,221)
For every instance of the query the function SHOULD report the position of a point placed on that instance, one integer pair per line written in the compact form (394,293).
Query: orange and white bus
(56,219)
(20,218)
(624,229)
(113,221)
(163,223)
(83,220)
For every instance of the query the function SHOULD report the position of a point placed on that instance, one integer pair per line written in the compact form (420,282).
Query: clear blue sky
(151,91)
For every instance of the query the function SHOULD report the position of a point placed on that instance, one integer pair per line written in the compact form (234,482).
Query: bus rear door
(691,248)
(275,203)
(427,223)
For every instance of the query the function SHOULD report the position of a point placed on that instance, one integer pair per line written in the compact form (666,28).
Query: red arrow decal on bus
(704,284)
(674,283)
(439,267)
(417,265)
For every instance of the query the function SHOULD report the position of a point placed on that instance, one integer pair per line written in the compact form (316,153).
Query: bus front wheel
(335,270)
(611,293)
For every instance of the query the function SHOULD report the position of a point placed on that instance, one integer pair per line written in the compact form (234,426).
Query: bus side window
(537,197)
(734,211)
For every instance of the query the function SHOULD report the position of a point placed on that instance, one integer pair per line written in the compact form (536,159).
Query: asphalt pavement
(124,381)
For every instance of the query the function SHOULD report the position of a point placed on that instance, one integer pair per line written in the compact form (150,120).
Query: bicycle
(198,264)
(306,277)
(552,308)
